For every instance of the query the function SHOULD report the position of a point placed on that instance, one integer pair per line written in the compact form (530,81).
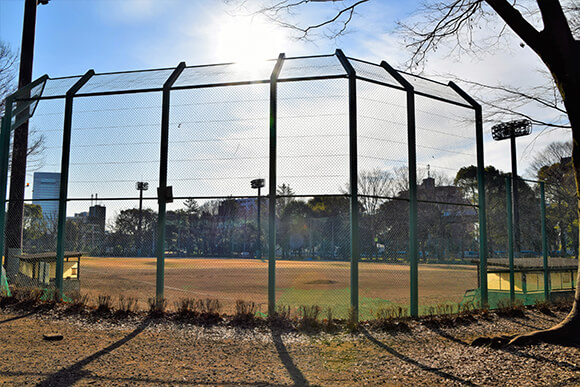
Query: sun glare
(247,41)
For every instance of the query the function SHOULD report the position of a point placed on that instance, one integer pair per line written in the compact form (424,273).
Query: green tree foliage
(330,226)
(293,232)
(34,223)
(444,230)
(125,232)
(554,167)
(191,206)
(496,197)
(284,196)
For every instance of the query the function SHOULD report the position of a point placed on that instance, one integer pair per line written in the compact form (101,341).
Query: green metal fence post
(353,182)
(6,128)
(510,230)
(481,193)
(164,195)
(272,186)
(544,243)
(4,151)
(64,172)
(412,157)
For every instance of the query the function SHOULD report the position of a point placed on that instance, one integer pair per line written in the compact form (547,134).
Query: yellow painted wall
(70,269)
(501,281)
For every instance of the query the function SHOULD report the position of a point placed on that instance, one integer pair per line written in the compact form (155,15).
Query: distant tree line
(318,227)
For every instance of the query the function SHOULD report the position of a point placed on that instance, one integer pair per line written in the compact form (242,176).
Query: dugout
(40,269)
(529,279)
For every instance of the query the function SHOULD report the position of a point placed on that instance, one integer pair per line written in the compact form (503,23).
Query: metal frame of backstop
(23,99)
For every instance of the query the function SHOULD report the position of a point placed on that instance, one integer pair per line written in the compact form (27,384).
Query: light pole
(511,130)
(20,145)
(140,186)
(258,183)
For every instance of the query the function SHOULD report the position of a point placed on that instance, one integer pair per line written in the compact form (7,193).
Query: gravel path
(149,352)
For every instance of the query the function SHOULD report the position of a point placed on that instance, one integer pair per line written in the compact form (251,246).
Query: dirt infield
(326,284)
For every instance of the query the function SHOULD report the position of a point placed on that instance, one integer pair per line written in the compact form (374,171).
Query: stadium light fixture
(140,186)
(511,130)
(258,184)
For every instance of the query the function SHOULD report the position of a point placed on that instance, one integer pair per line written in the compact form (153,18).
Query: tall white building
(45,191)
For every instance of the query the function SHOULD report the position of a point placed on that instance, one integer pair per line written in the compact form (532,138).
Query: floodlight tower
(140,186)
(258,183)
(511,130)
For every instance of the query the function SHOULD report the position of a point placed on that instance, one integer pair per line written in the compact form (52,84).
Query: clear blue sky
(73,36)
(112,35)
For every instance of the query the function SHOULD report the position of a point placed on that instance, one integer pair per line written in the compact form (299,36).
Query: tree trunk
(568,331)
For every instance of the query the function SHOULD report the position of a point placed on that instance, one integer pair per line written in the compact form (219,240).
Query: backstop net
(234,182)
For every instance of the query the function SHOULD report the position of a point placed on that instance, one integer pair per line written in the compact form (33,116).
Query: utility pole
(20,147)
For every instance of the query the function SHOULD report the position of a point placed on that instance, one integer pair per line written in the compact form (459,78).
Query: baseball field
(322,283)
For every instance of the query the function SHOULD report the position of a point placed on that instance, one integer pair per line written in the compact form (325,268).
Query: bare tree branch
(279,13)
(7,73)
(440,21)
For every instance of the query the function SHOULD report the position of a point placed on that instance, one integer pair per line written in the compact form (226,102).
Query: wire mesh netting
(383,192)
(219,160)
(447,216)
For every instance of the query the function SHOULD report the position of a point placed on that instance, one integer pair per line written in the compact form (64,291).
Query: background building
(45,190)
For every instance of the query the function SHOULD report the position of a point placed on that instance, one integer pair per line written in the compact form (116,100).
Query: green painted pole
(544,243)
(5,130)
(163,196)
(510,231)
(4,151)
(64,172)
(412,157)
(272,186)
(353,182)
(413,248)
(483,253)
(259,227)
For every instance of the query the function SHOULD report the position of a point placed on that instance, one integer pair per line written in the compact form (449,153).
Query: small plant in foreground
(209,306)
(506,308)
(465,307)
(352,324)
(245,312)
(544,307)
(245,308)
(127,305)
(329,323)
(391,312)
(79,299)
(388,319)
(157,307)
(309,316)
(283,312)
(186,307)
(78,302)
(104,304)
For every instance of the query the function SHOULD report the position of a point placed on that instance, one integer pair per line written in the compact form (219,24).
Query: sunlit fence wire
(160,205)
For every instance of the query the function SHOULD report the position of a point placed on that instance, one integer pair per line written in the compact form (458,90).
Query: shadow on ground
(407,359)
(70,375)
(295,373)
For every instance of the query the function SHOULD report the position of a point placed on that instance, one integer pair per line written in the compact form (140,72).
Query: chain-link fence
(533,244)
(320,180)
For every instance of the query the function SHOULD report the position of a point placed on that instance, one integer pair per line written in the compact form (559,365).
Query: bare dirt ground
(147,351)
(297,282)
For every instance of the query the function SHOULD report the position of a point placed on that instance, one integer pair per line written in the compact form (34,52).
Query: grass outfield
(326,284)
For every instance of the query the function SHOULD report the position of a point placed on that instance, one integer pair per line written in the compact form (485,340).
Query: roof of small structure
(532,263)
(48,256)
